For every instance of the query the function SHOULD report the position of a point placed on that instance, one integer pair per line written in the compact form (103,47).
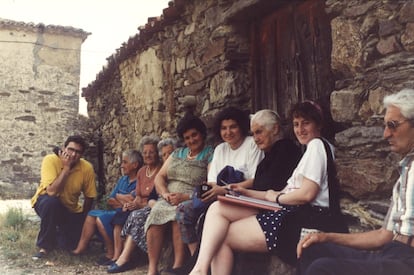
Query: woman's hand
(271,195)
(238,189)
(176,198)
(213,192)
(129,206)
(166,196)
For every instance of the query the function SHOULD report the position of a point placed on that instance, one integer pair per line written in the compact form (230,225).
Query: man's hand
(308,240)
(68,159)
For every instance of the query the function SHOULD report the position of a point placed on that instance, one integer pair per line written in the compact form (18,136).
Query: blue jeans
(330,259)
(58,227)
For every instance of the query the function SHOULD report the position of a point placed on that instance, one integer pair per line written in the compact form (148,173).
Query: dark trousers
(326,258)
(58,227)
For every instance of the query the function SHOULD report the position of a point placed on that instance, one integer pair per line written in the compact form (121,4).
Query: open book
(249,202)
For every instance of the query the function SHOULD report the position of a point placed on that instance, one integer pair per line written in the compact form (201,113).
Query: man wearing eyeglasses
(64,177)
(390,249)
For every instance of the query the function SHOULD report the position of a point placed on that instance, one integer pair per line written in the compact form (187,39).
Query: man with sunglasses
(64,177)
(390,249)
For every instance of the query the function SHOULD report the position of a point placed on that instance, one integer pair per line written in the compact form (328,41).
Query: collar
(407,159)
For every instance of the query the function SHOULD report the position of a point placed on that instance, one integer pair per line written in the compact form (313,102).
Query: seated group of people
(155,195)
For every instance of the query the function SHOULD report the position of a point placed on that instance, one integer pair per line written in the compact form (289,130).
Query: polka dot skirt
(271,221)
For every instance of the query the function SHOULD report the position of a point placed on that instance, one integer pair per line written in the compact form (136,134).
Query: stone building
(265,54)
(39,87)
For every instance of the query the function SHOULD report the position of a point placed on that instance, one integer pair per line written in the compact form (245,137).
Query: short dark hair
(188,122)
(233,113)
(308,110)
(78,140)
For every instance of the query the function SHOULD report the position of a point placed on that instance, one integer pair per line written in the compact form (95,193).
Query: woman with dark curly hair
(234,161)
(182,171)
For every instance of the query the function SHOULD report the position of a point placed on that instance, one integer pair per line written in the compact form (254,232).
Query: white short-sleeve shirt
(245,159)
(313,165)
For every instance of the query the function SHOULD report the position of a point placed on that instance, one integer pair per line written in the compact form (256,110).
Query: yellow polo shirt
(80,180)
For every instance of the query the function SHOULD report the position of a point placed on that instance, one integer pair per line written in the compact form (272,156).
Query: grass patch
(14,219)
(18,236)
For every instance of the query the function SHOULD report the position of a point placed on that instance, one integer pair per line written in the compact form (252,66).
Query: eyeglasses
(392,125)
(73,150)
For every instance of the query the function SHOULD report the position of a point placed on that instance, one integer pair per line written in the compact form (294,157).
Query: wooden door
(291,56)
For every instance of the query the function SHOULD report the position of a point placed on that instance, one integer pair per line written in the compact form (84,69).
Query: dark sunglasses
(394,124)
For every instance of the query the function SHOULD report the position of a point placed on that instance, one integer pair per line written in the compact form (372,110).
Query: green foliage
(14,218)
(18,243)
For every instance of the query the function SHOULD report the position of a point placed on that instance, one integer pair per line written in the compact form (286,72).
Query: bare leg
(155,239)
(88,229)
(118,242)
(252,239)
(129,247)
(179,253)
(109,244)
(218,219)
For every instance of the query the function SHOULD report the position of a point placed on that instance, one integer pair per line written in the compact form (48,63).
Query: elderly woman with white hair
(133,229)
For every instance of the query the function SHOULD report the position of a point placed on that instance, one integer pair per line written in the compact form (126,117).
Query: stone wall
(39,84)
(372,55)
(149,83)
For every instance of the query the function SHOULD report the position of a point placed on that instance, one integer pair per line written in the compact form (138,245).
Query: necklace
(189,155)
(148,172)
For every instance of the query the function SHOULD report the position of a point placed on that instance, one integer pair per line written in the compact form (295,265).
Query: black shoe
(118,268)
(39,255)
(104,261)
(188,265)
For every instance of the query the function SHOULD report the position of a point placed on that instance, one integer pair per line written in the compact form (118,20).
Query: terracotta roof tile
(18,25)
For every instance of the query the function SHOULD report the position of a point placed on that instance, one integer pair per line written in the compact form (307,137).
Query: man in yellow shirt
(63,178)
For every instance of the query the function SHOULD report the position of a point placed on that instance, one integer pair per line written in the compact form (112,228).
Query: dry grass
(18,234)
(18,237)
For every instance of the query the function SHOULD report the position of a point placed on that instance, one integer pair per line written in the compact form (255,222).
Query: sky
(111,23)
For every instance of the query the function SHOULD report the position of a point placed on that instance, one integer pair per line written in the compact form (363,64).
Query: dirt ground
(46,266)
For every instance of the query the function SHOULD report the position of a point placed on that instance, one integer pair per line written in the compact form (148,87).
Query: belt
(408,240)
